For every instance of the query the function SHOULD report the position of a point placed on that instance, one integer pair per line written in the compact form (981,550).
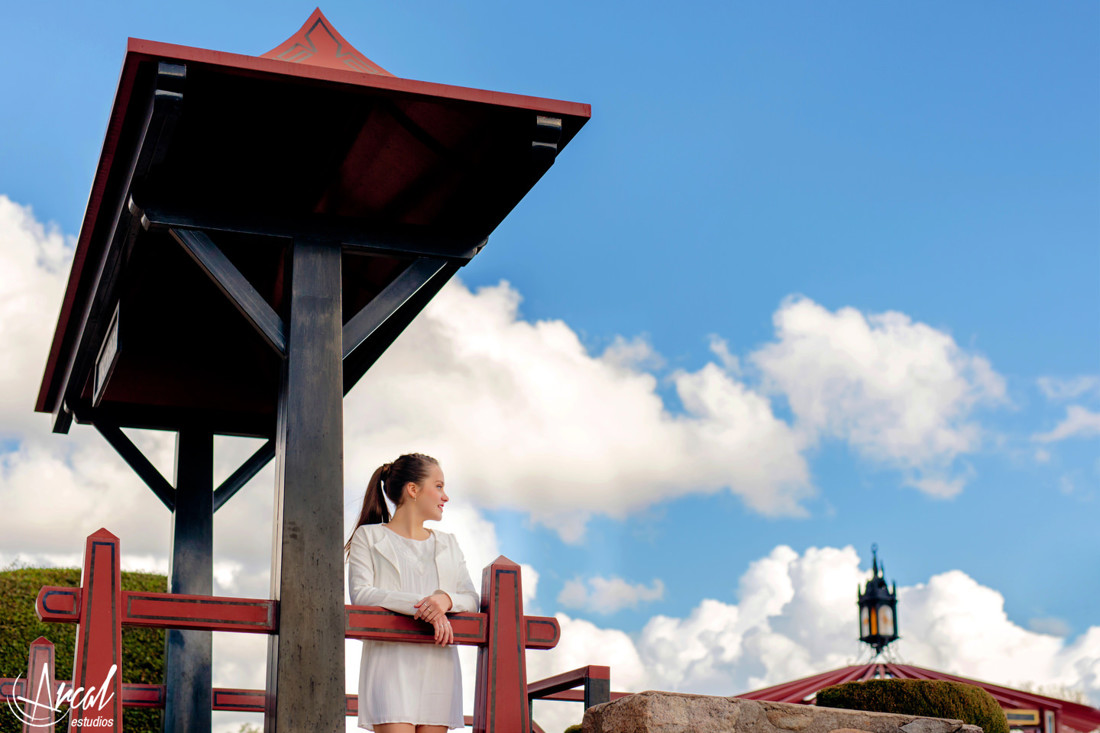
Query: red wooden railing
(501,632)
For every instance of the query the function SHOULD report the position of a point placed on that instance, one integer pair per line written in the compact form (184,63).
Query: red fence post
(41,688)
(500,699)
(98,660)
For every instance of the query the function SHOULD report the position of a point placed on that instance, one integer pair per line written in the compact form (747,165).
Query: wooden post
(188,654)
(98,660)
(500,699)
(305,662)
(41,688)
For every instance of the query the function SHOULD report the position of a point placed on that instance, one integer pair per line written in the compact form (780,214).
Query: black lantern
(878,608)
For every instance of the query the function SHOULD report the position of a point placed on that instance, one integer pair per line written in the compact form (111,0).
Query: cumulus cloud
(34,262)
(1080,422)
(1069,388)
(898,391)
(532,421)
(606,596)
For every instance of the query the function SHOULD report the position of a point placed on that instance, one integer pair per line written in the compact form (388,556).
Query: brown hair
(388,481)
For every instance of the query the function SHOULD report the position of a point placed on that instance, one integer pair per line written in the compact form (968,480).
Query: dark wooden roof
(255,150)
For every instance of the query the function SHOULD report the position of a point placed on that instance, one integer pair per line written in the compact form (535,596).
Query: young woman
(397,563)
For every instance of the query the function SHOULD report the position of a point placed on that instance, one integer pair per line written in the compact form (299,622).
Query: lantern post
(878,608)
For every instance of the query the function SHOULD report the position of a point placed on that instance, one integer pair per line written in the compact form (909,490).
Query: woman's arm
(361,586)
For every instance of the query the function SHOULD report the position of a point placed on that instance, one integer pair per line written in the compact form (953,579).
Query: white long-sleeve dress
(400,682)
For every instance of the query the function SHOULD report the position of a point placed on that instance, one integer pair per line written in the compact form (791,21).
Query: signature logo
(44,709)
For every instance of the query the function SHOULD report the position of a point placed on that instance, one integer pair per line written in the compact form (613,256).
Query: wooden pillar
(597,686)
(305,661)
(188,654)
(500,698)
(98,659)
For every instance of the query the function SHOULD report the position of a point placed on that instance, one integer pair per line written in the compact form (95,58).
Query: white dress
(411,683)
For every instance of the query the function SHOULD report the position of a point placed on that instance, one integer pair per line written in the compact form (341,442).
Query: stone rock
(673,712)
(929,725)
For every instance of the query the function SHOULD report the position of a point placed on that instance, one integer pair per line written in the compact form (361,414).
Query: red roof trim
(155,49)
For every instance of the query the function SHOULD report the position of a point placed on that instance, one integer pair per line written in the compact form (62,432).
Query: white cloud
(34,263)
(1069,388)
(1052,626)
(899,391)
(606,596)
(721,348)
(1080,422)
(530,420)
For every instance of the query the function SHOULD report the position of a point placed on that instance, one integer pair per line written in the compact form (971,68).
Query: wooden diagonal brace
(253,465)
(137,460)
(235,286)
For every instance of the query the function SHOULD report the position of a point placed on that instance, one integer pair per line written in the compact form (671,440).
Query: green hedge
(932,698)
(142,649)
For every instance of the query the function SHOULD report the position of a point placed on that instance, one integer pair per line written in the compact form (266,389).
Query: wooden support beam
(305,662)
(253,465)
(349,233)
(188,654)
(137,461)
(234,285)
(362,357)
(364,323)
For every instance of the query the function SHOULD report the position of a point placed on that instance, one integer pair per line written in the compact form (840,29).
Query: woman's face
(430,496)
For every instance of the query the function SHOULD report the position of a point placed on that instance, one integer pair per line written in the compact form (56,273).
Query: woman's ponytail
(375,510)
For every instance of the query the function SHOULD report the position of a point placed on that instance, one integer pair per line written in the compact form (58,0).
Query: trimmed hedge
(932,698)
(142,649)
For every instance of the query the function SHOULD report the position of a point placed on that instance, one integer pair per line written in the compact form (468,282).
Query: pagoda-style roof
(318,43)
(1074,715)
(312,139)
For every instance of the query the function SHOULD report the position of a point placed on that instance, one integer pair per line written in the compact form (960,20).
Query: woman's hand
(444,634)
(433,607)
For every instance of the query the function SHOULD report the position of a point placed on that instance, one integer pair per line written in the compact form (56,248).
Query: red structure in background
(501,632)
(1051,715)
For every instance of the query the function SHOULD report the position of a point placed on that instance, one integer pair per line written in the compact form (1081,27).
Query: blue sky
(747,165)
